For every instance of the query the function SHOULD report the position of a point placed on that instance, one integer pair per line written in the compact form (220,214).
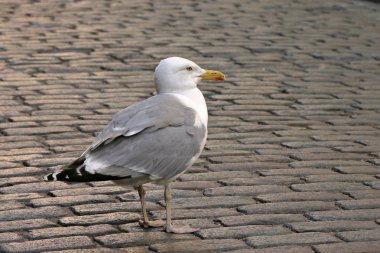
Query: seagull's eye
(189,68)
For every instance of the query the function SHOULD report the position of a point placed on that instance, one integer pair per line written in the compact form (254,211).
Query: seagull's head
(178,74)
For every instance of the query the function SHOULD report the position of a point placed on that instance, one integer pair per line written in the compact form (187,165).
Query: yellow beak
(213,75)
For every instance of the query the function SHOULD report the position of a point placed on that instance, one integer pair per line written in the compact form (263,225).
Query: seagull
(154,140)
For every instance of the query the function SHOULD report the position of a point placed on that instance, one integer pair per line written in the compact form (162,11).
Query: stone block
(260,219)
(71,231)
(48,244)
(239,232)
(360,235)
(302,196)
(245,190)
(360,214)
(212,245)
(348,247)
(331,226)
(287,207)
(291,239)
(70,200)
(33,213)
(109,218)
(143,238)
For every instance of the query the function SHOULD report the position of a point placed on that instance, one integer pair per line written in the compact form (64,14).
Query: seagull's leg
(169,227)
(141,191)
(146,222)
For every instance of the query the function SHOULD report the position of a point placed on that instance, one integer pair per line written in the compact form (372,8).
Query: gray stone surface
(241,231)
(292,160)
(28,213)
(70,200)
(362,235)
(359,204)
(10,237)
(291,239)
(15,225)
(261,219)
(214,245)
(111,218)
(48,244)
(287,207)
(360,214)
(282,249)
(329,226)
(349,247)
(71,230)
(141,238)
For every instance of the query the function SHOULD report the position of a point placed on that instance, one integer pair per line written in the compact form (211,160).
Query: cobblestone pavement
(293,155)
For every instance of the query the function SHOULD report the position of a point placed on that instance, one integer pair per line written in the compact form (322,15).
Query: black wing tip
(58,176)
(82,175)
(50,177)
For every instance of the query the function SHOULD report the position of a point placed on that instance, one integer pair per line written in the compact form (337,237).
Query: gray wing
(157,137)
(150,113)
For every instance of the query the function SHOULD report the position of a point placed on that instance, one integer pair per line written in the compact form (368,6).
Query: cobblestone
(37,187)
(112,207)
(11,205)
(364,194)
(360,214)
(292,158)
(25,171)
(25,224)
(277,180)
(241,231)
(197,213)
(282,249)
(111,218)
(339,178)
(244,190)
(287,207)
(295,172)
(20,196)
(203,246)
(329,186)
(135,239)
(349,247)
(10,237)
(28,213)
(156,195)
(294,239)
(359,204)
(48,244)
(71,200)
(17,180)
(71,230)
(329,226)
(362,235)
(302,196)
(212,202)
(102,250)
(87,191)
(261,219)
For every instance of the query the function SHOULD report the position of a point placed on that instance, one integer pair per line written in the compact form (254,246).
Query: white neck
(197,101)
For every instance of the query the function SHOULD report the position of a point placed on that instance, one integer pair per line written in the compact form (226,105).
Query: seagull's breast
(194,99)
